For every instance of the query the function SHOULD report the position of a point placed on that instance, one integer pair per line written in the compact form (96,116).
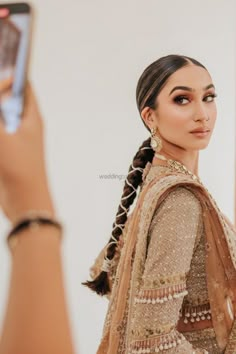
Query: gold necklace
(173,164)
(176,165)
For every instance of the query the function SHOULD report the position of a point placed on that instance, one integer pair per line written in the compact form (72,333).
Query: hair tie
(124,212)
(135,169)
(106,265)
(146,147)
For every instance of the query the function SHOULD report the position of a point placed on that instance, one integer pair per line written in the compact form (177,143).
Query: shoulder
(180,213)
(181,200)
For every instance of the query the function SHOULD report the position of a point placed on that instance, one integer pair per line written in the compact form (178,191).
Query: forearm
(36,318)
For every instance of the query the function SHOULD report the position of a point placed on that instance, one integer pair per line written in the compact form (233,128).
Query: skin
(28,175)
(175,119)
(36,318)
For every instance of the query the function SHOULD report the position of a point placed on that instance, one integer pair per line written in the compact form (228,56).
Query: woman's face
(181,110)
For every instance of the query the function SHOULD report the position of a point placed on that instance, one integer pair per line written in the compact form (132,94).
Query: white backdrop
(86,60)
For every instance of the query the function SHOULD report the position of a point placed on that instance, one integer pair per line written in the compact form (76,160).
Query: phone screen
(14,46)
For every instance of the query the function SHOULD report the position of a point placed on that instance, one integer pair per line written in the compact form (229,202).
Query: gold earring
(156,142)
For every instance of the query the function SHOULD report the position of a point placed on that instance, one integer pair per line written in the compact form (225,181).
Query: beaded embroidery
(153,327)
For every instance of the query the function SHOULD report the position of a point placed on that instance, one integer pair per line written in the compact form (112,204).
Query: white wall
(87,57)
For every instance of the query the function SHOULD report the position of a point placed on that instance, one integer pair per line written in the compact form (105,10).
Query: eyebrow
(186,88)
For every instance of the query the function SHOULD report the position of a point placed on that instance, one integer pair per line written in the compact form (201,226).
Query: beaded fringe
(196,313)
(157,345)
(161,295)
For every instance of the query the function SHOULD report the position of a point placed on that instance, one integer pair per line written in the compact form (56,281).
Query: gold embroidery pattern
(147,332)
(164,314)
(163,280)
(204,338)
(145,323)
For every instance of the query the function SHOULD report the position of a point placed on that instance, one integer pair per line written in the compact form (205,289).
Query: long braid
(133,180)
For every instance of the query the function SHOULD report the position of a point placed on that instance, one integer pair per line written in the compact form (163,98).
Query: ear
(147,116)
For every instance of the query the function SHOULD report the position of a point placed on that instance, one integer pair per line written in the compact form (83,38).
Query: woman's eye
(180,99)
(211,97)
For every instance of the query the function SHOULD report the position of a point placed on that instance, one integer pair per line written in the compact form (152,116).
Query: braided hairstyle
(149,85)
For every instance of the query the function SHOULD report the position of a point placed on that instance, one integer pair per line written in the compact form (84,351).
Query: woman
(170,269)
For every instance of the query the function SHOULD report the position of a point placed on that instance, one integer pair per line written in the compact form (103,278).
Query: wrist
(27,209)
(33,223)
(21,200)
(38,206)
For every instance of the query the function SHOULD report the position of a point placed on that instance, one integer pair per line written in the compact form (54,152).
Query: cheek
(174,122)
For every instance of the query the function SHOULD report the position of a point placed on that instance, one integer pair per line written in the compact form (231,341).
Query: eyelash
(180,97)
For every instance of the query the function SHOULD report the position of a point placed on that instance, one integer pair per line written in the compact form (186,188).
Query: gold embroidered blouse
(172,303)
(176,259)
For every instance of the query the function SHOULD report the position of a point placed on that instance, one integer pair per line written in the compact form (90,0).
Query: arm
(36,319)
(172,239)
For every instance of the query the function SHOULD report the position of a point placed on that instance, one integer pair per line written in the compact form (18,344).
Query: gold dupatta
(220,262)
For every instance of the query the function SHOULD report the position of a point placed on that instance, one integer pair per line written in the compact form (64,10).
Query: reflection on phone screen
(14,39)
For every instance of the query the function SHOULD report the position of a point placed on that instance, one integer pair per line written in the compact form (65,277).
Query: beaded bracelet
(33,223)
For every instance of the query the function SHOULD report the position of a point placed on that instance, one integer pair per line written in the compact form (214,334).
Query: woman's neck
(190,160)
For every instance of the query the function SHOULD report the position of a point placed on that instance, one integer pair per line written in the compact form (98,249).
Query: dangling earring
(156,142)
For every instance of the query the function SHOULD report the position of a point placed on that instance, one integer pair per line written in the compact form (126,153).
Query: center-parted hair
(149,85)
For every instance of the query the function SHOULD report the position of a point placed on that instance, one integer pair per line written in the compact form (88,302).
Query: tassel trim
(195,313)
(155,296)
(157,345)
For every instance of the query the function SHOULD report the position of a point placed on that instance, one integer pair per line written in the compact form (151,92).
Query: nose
(201,113)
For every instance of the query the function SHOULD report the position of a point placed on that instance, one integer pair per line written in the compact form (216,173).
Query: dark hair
(149,85)
(155,76)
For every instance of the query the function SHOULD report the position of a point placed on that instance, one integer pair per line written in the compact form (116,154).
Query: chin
(200,146)
(197,146)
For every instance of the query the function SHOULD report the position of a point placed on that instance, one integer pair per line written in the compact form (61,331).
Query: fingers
(30,117)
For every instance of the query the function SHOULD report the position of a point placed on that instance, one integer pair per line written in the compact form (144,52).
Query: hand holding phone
(23,175)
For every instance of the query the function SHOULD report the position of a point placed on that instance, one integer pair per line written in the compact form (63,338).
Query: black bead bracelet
(32,223)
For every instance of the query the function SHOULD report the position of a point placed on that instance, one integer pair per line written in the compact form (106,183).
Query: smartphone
(15,33)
